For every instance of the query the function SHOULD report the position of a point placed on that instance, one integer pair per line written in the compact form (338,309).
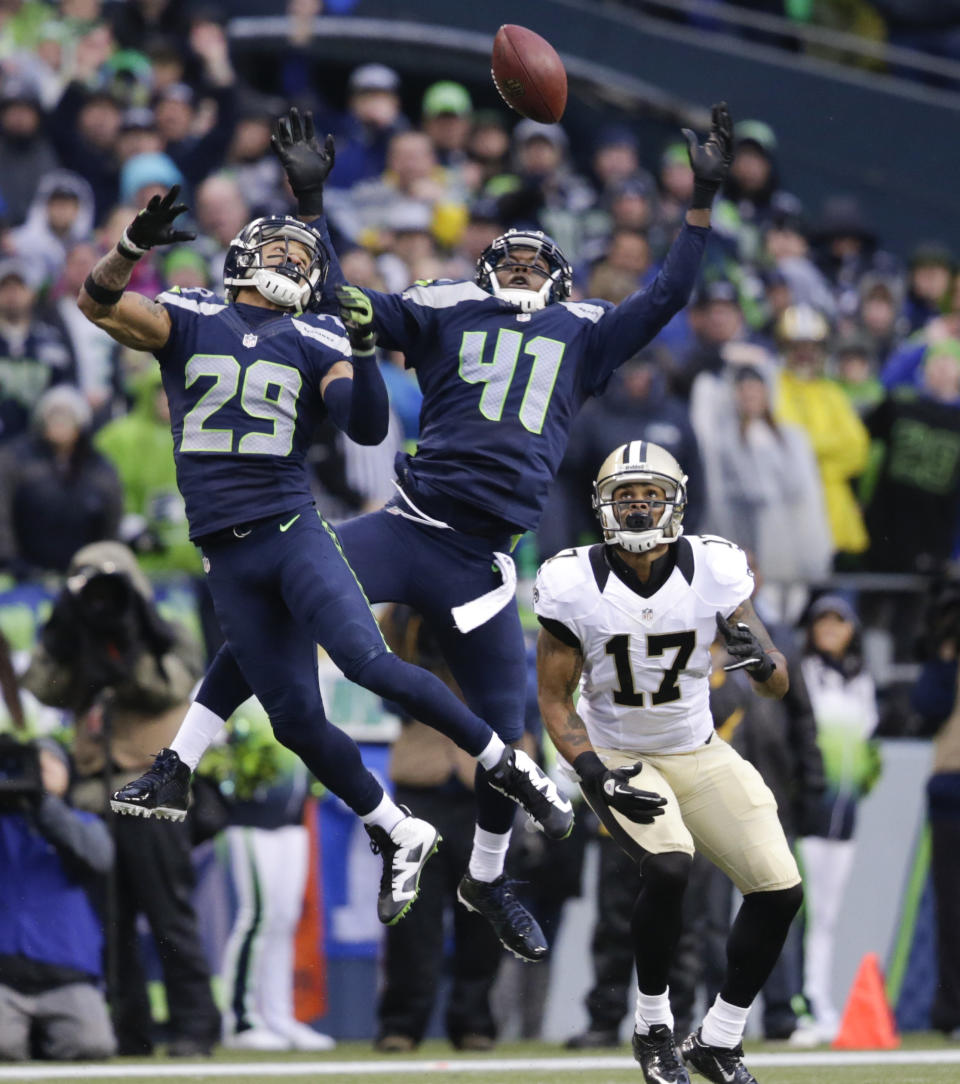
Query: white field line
(204,1070)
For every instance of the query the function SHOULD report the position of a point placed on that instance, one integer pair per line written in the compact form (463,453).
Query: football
(528,74)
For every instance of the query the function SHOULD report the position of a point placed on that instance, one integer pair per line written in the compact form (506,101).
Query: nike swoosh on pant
(287,526)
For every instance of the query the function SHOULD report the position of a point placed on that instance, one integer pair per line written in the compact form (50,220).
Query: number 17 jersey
(645,686)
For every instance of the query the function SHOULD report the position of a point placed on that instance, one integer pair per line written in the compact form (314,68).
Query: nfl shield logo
(646,615)
(249,340)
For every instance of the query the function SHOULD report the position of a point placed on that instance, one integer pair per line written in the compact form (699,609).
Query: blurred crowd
(811,388)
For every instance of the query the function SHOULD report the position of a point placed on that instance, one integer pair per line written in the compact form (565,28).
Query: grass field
(923,1059)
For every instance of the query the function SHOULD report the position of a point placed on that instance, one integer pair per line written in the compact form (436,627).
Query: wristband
(364,353)
(103,295)
(589,766)
(128,249)
(704,193)
(310,203)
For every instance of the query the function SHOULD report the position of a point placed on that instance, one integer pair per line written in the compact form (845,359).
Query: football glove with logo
(612,787)
(306,164)
(743,645)
(710,161)
(356,312)
(154,226)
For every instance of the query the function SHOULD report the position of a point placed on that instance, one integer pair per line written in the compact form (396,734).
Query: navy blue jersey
(243,402)
(501,387)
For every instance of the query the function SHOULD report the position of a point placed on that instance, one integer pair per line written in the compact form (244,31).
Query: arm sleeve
(83,843)
(624,330)
(360,407)
(398,322)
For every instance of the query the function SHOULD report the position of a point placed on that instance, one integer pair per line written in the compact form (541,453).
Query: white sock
(724,1024)
(197,731)
(387,814)
(652,1009)
(492,753)
(488,855)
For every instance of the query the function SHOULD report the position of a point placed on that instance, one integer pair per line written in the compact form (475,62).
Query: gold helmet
(640,462)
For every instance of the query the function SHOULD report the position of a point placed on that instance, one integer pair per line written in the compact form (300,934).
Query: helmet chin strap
(525,300)
(281,289)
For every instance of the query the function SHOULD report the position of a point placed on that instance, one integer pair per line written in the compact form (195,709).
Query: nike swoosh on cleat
(287,526)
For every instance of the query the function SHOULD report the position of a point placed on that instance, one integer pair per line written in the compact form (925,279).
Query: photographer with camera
(53,859)
(936,699)
(126,674)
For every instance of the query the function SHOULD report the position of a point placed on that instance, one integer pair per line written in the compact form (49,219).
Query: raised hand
(743,645)
(356,313)
(306,164)
(154,225)
(710,160)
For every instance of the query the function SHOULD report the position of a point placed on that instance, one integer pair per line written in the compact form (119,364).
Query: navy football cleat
(162,791)
(519,778)
(514,924)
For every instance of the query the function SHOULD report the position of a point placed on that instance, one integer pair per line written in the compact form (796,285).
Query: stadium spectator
(616,158)
(763,484)
(919,429)
(60,215)
(138,134)
(717,321)
(855,370)
(221,211)
(373,119)
(844,702)
(141,24)
(253,165)
(24,148)
(54,859)
(675,181)
(786,250)
(488,147)
(446,116)
(433,776)
(807,397)
(34,355)
(85,129)
(145,175)
(56,492)
(929,283)
(105,638)
(879,313)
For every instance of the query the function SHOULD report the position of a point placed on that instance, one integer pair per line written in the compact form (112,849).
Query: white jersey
(646,658)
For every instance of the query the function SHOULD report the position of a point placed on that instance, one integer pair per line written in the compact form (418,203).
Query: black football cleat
(405,851)
(515,926)
(519,778)
(658,1057)
(162,791)
(720,1064)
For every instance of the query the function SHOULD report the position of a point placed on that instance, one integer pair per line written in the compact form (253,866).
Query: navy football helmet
(285,283)
(558,281)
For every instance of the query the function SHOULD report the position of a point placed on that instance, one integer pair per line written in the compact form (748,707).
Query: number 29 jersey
(646,658)
(244,400)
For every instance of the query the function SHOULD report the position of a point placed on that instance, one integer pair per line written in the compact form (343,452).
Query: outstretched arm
(132,319)
(626,329)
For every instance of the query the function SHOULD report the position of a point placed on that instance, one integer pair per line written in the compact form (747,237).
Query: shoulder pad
(443,293)
(722,574)
(565,585)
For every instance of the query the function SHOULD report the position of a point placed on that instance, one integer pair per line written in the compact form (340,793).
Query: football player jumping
(246,379)
(630,622)
(504,363)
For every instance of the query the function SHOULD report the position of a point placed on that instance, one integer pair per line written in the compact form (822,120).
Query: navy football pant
(279,593)
(431,570)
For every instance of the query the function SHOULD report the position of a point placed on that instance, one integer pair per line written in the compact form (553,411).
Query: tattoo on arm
(559,667)
(748,615)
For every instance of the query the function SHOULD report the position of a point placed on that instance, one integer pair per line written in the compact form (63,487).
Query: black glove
(356,313)
(746,649)
(711,160)
(611,787)
(154,226)
(306,164)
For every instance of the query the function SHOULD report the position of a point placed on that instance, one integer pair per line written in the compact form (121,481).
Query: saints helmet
(640,462)
(285,283)
(557,284)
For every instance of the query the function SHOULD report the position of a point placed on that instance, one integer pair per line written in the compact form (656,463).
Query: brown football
(528,74)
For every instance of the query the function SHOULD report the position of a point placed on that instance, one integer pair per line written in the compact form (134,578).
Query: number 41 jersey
(646,658)
(244,399)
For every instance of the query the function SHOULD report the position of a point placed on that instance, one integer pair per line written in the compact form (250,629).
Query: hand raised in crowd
(306,164)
